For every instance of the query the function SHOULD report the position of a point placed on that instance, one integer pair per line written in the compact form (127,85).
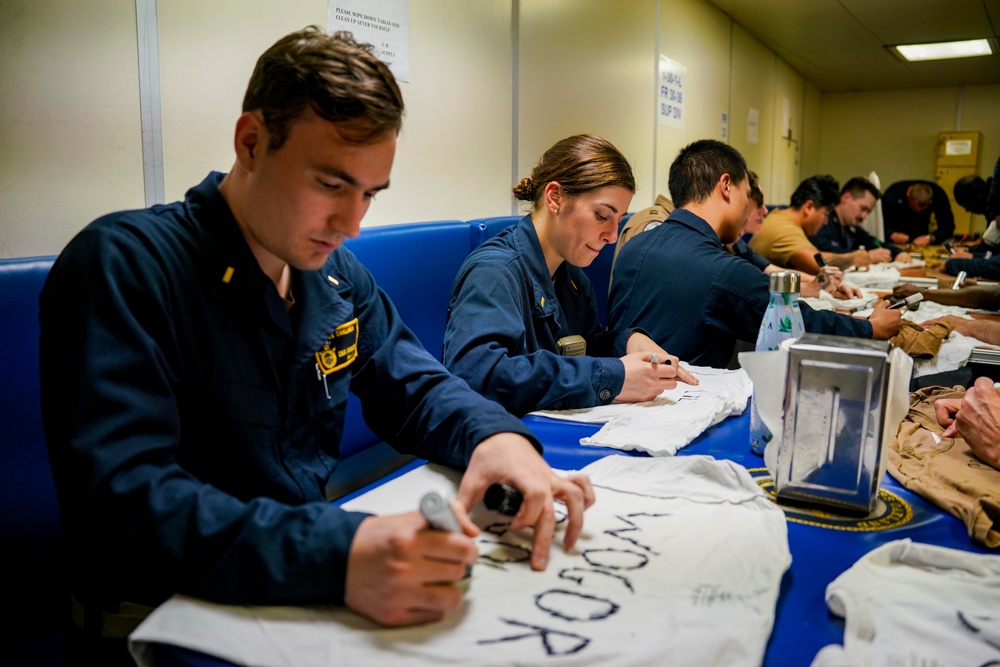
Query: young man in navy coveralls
(196,359)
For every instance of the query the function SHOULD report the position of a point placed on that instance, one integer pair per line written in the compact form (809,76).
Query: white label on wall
(670,93)
(753,125)
(385,24)
(958,147)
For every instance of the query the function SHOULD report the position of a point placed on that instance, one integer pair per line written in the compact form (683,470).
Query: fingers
(686,377)
(537,512)
(669,367)
(469,528)
(578,494)
(399,572)
(945,410)
(951,431)
(657,358)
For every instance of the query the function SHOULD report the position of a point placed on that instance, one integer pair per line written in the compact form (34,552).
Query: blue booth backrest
(38,603)
(415,264)
(27,493)
(599,271)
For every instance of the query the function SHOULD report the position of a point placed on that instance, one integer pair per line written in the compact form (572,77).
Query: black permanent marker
(503,498)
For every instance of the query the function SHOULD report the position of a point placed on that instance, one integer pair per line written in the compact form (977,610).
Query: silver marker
(438,513)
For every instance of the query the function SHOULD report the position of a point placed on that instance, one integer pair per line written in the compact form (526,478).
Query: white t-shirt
(679,563)
(670,421)
(907,603)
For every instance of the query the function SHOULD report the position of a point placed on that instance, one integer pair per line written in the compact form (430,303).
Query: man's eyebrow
(335,172)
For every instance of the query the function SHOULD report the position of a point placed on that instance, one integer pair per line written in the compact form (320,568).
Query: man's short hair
(822,191)
(920,193)
(755,192)
(699,166)
(970,193)
(336,77)
(858,186)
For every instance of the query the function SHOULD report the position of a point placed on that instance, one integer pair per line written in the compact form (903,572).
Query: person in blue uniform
(843,241)
(678,282)
(982,260)
(830,278)
(521,297)
(907,207)
(195,364)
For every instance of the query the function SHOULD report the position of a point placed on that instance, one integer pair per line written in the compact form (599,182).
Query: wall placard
(385,24)
(670,93)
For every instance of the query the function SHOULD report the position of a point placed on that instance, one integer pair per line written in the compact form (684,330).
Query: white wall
(70,144)
(895,132)
(587,66)
(697,35)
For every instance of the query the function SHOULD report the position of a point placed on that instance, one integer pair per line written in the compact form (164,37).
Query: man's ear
(250,139)
(725,186)
(809,207)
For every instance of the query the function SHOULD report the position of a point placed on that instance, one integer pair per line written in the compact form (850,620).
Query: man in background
(784,237)
(829,279)
(842,240)
(907,209)
(979,196)
(678,283)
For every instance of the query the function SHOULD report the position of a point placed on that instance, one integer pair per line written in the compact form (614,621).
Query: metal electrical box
(957,156)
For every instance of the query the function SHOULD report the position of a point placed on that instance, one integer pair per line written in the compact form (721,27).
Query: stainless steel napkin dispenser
(835,407)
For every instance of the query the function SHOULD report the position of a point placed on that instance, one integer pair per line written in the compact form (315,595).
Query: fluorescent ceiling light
(942,50)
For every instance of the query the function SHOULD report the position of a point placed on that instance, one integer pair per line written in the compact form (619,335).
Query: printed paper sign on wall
(670,93)
(385,24)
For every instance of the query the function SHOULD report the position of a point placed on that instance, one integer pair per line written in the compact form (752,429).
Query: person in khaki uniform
(642,221)
(783,239)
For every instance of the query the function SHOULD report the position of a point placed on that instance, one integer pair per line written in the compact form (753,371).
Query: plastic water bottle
(782,320)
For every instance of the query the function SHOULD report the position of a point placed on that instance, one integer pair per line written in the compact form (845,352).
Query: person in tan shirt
(783,238)
(975,417)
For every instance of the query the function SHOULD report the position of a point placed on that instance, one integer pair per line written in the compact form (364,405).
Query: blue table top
(803,625)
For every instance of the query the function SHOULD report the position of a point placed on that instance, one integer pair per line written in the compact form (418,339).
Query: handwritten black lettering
(620,533)
(573,606)
(555,642)
(615,559)
(577,575)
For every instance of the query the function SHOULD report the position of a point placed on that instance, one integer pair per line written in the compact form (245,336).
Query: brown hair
(579,163)
(858,186)
(920,193)
(335,76)
(755,192)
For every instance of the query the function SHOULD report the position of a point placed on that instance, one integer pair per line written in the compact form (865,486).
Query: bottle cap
(784,281)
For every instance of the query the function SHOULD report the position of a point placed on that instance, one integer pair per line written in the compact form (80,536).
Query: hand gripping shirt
(504,318)
(696,300)
(193,421)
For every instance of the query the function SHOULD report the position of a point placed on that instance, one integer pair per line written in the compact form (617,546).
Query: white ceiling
(839,45)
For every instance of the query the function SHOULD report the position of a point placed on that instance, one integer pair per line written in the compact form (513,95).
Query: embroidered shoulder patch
(340,349)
